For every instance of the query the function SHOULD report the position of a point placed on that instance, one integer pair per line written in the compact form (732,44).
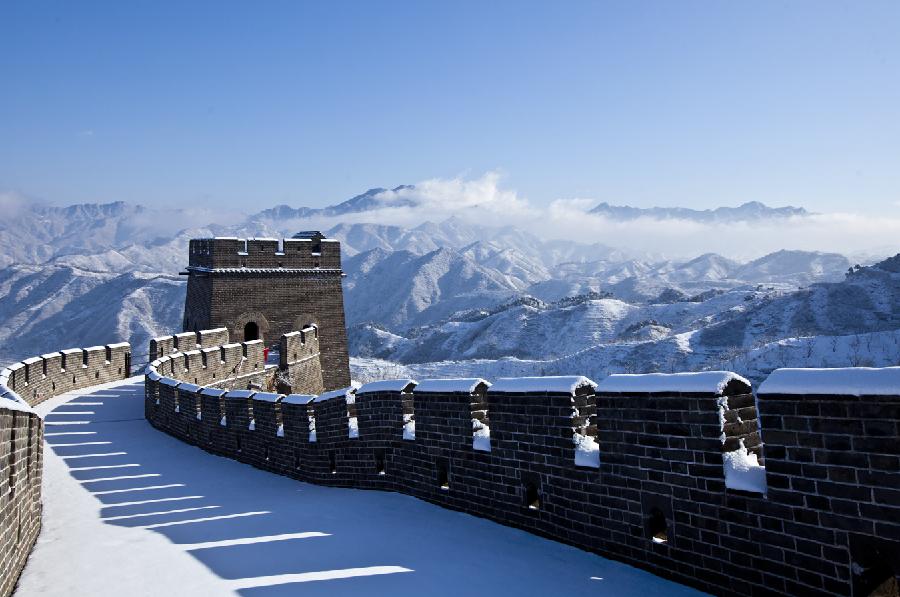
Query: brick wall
(22,386)
(829,524)
(299,356)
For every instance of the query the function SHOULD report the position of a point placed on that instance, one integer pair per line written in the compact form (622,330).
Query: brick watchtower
(263,288)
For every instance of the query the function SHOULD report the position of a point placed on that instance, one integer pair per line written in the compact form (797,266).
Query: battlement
(660,471)
(24,385)
(299,361)
(209,255)
(166,345)
(38,378)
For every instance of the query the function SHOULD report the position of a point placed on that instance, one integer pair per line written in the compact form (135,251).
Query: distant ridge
(367,201)
(750,211)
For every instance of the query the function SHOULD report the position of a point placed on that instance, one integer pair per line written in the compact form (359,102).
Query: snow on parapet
(465,385)
(561,384)
(302,399)
(856,381)
(239,394)
(704,382)
(387,385)
(12,401)
(267,396)
(347,393)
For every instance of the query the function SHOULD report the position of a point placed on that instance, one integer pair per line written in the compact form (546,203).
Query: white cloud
(12,202)
(484,201)
(454,195)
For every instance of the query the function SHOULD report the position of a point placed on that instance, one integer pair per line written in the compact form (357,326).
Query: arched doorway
(251,331)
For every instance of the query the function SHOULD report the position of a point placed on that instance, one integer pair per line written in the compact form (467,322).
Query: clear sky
(249,104)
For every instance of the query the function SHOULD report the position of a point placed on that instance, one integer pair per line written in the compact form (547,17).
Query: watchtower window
(251,331)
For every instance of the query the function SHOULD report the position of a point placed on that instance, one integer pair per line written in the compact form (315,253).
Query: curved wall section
(653,489)
(22,386)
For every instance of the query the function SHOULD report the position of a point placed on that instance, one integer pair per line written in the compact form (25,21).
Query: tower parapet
(263,288)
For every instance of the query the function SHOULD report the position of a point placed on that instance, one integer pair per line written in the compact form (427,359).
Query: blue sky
(249,104)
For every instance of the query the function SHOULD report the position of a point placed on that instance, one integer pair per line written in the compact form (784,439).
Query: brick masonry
(280,285)
(300,358)
(829,524)
(22,386)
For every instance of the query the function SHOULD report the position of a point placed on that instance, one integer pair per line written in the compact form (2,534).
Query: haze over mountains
(447,297)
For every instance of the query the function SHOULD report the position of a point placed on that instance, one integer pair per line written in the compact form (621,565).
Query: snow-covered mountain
(435,292)
(48,307)
(747,212)
(855,322)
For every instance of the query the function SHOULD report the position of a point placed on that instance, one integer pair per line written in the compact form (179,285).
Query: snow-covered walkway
(131,511)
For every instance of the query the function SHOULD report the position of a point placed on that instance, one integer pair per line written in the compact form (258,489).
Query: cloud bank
(483,201)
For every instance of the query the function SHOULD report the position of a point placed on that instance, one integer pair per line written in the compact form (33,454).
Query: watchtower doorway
(251,331)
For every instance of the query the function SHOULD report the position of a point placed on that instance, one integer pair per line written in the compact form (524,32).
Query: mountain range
(443,292)
(746,212)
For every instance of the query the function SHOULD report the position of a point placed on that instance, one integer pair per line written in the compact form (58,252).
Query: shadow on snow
(269,535)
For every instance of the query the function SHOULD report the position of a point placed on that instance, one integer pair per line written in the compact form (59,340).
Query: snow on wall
(856,381)
(743,471)
(302,399)
(347,393)
(461,384)
(587,451)
(562,384)
(712,382)
(481,436)
(388,385)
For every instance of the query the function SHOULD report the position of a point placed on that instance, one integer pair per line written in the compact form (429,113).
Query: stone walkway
(131,511)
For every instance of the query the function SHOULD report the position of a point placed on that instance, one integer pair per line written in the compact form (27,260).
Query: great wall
(634,468)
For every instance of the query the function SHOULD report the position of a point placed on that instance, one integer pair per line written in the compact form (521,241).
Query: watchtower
(262,288)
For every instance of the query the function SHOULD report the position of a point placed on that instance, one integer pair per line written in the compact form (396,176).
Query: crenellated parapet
(206,364)
(187,341)
(24,385)
(39,378)
(299,359)
(661,471)
(310,252)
